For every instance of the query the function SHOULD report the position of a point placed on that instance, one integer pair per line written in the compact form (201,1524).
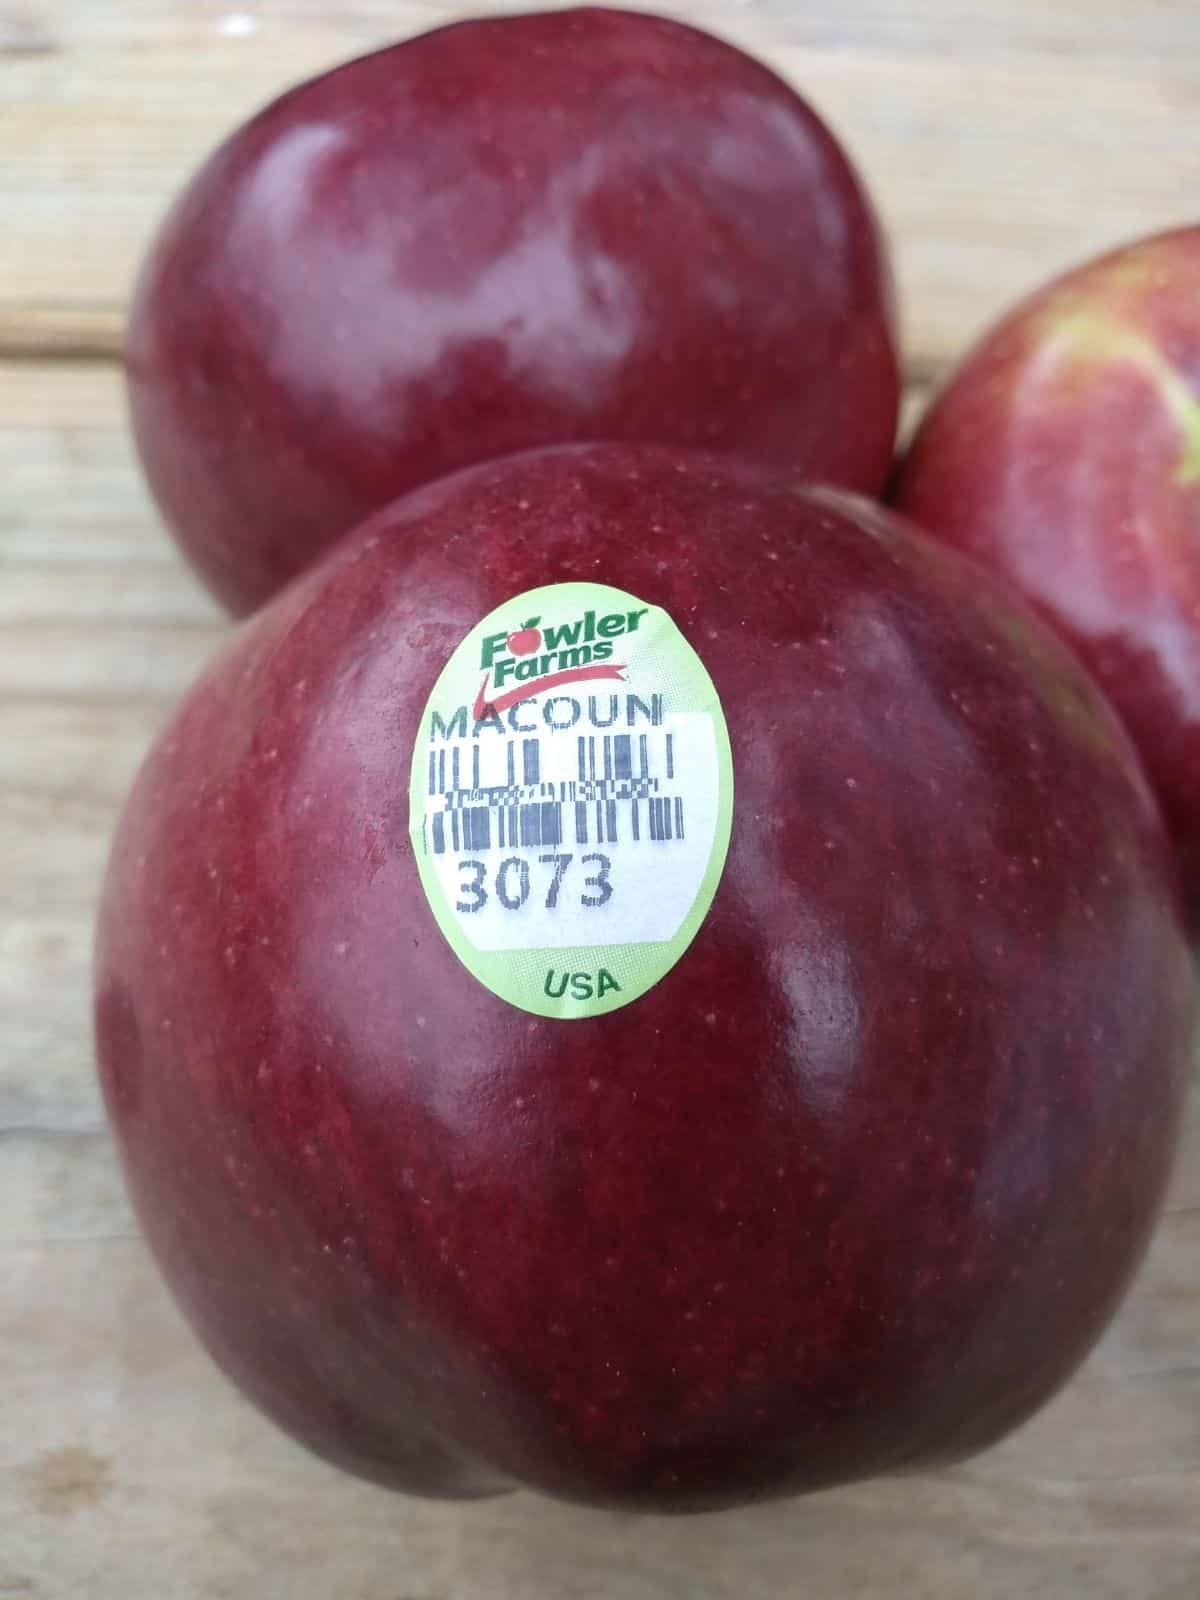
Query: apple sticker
(571,799)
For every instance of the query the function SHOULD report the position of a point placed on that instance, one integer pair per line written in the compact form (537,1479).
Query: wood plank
(102,629)
(64,404)
(57,1185)
(986,185)
(127,1467)
(1114,31)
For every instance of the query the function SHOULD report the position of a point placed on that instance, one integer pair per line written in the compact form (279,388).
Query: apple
(843,1179)
(509,232)
(526,639)
(1065,454)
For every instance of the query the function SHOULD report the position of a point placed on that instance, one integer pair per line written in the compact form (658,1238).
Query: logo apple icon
(523,641)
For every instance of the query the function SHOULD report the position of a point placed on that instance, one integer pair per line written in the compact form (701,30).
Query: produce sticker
(571,798)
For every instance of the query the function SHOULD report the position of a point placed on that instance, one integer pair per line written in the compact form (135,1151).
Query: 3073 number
(512,882)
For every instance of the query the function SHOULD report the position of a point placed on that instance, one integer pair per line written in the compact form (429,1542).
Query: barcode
(614,796)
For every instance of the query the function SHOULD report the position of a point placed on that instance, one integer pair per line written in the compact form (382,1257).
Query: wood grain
(1004,139)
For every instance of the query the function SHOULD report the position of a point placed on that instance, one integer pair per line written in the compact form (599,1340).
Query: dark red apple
(1065,454)
(850,1189)
(506,233)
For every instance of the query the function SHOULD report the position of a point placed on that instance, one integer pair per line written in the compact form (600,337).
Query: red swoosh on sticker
(484,707)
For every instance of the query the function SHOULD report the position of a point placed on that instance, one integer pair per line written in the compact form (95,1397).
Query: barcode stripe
(477,829)
(540,823)
(527,811)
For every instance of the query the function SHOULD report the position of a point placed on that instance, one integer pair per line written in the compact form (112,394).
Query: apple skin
(1065,454)
(506,233)
(851,1190)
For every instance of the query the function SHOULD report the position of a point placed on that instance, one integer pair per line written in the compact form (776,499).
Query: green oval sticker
(571,798)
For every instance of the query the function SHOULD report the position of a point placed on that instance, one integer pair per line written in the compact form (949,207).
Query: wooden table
(1004,138)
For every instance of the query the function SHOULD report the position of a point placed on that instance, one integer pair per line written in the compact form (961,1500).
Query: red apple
(1065,454)
(526,639)
(850,1189)
(509,232)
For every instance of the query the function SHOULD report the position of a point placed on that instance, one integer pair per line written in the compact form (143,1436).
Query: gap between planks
(61,333)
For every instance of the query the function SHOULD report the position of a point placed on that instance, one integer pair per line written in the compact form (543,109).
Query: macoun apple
(509,232)
(1065,454)
(850,1189)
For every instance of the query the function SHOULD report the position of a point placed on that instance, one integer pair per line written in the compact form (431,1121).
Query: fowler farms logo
(536,658)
